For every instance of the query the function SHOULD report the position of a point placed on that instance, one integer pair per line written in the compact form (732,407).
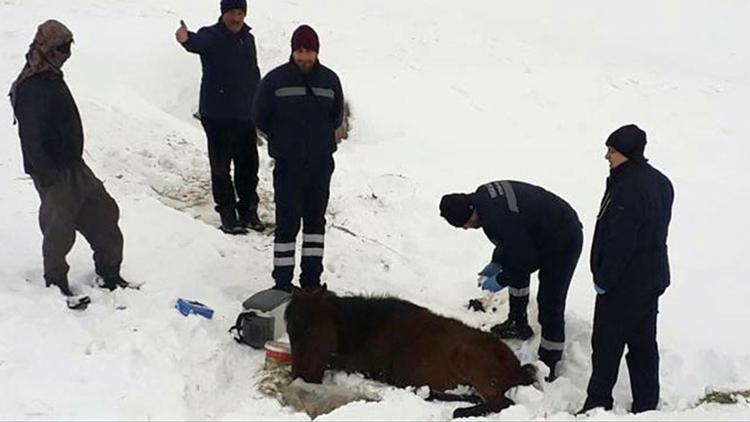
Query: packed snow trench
(445,96)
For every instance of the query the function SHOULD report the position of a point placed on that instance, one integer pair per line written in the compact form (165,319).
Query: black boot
(309,287)
(513,328)
(113,282)
(229,223)
(552,371)
(250,219)
(74,302)
(289,288)
(62,285)
(591,404)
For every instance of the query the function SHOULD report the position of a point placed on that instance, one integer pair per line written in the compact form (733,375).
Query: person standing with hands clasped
(298,106)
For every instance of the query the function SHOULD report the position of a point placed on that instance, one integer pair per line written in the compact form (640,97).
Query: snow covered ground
(446,95)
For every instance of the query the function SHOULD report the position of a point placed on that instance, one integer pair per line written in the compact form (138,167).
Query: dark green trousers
(76,201)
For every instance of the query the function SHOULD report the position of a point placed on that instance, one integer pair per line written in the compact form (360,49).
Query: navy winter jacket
(525,222)
(629,250)
(230,71)
(299,112)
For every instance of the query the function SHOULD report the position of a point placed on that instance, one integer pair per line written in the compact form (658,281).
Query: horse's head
(306,303)
(312,328)
(489,368)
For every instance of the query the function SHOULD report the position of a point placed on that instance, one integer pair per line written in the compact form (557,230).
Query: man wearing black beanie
(230,77)
(532,229)
(630,141)
(631,270)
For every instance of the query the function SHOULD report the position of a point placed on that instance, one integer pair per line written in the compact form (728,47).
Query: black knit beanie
(227,5)
(629,141)
(456,208)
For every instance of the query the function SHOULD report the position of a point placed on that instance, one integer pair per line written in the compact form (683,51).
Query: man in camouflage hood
(72,198)
(47,53)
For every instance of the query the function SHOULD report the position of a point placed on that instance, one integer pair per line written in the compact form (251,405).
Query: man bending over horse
(532,229)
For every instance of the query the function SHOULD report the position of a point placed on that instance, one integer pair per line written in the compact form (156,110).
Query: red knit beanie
(305,37)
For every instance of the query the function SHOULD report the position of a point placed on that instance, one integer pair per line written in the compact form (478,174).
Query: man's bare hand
(182,33)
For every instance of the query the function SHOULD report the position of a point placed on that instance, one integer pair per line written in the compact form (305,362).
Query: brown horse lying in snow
(402,344)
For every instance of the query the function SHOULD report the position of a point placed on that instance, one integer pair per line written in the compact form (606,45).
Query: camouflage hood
(48,52)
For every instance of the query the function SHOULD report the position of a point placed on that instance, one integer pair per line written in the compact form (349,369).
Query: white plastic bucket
(278,354)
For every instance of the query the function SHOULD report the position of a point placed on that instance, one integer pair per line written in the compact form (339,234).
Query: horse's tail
(529,374)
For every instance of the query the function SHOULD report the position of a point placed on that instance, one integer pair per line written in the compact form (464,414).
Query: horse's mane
(369,312)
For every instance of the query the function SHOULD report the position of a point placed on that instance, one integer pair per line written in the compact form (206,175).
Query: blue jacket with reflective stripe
(230,71)
(525,222)
(629,250)
(299,112)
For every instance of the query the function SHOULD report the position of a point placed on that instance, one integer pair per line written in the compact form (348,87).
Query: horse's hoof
(478,410)
(459,413)
(463,412)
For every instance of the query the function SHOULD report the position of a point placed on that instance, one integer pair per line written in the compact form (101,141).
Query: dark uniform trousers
(301,191)
(621,321)
(555,273)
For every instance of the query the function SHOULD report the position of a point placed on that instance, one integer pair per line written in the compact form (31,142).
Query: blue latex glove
(599,290)
(488,277)
(493,269)
(490,284)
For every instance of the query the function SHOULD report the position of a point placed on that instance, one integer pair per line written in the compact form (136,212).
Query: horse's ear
(320,292)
